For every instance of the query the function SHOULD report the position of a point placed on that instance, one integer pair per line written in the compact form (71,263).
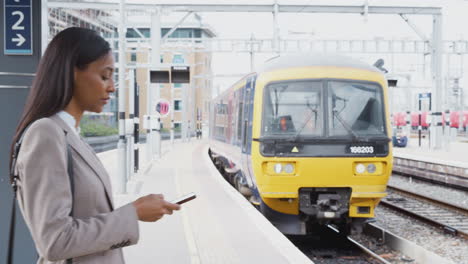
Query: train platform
(454,153)
(448,165)
(219,226)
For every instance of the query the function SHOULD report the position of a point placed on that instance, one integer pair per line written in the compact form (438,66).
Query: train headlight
(278,168)
(371,168)
(375,168)
(360,168)
(289,168)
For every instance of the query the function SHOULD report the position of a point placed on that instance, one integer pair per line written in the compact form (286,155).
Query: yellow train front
(306,140)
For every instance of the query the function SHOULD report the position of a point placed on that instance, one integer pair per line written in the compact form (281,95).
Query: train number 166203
(361,149)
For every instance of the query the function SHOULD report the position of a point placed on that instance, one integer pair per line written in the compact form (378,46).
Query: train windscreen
(295,109)
(323,118)
(355,109)
(293,106)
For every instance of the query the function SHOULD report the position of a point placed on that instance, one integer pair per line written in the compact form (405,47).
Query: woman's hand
(153,207)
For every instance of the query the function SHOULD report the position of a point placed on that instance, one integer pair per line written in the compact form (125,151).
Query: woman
(74,75)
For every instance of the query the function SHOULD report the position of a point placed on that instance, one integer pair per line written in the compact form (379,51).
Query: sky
(327,26)
(231,25)
(331,26)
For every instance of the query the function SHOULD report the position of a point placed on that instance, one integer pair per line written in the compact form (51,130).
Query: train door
(246,143)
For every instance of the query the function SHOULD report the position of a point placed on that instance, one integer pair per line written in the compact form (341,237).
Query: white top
(70,121)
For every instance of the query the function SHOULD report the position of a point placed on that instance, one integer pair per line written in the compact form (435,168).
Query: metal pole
(408,123)
(419,123)
(408,109)
(460,123)
(172,113)
(184,111)
(121,145)
(390,93)
(156,62)
(252,54)
(447,94)
(136,127)
(437,76)
(149,140)
(276,41)
(446,129)
(45,25)
(192,107)
(131,116)
(429,131)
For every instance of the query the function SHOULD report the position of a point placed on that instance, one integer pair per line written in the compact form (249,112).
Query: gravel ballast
(428,237)
(446,194)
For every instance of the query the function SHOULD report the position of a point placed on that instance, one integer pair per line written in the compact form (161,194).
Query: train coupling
(324,203)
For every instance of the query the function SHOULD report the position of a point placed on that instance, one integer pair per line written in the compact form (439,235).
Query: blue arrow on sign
(18,27)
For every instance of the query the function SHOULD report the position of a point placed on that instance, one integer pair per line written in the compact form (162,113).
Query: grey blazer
(95,232)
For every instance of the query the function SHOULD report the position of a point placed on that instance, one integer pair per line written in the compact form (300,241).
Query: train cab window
(355,109)
(293,108)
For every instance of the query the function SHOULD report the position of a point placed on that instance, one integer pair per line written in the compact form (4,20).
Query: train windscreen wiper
(312,111)
(345,125)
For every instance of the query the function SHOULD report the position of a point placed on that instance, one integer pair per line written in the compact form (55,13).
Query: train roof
(314,59)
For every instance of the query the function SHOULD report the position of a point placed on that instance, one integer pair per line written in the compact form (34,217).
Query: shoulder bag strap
(72,184)
(11,238)
(14,184)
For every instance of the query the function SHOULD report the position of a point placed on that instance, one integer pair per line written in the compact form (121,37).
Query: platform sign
(18,27)
(425,101)
(163,107)
(424,96)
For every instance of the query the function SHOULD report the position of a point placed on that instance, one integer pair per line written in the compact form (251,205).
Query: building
(180,48)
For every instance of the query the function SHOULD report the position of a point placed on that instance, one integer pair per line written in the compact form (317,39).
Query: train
(306,139)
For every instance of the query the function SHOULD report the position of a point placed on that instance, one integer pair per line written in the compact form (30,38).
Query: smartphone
(184,198)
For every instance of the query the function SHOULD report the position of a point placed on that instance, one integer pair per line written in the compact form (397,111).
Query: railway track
(444,183)
(328,246)
(450,218)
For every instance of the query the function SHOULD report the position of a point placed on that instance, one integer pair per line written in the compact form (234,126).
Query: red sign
(163,107)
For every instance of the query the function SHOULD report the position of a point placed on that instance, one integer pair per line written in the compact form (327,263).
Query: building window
(197,33)
(177,126)
(177,105)
(131,33)
(162,58)
(133,55)
(178,33)
(178,58)
(177,85)
(164,31)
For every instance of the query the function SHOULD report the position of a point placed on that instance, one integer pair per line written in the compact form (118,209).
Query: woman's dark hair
(52,87)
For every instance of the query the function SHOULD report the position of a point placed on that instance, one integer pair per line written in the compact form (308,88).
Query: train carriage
(306,140)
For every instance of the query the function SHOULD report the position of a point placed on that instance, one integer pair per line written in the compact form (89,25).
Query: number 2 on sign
(17,26)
